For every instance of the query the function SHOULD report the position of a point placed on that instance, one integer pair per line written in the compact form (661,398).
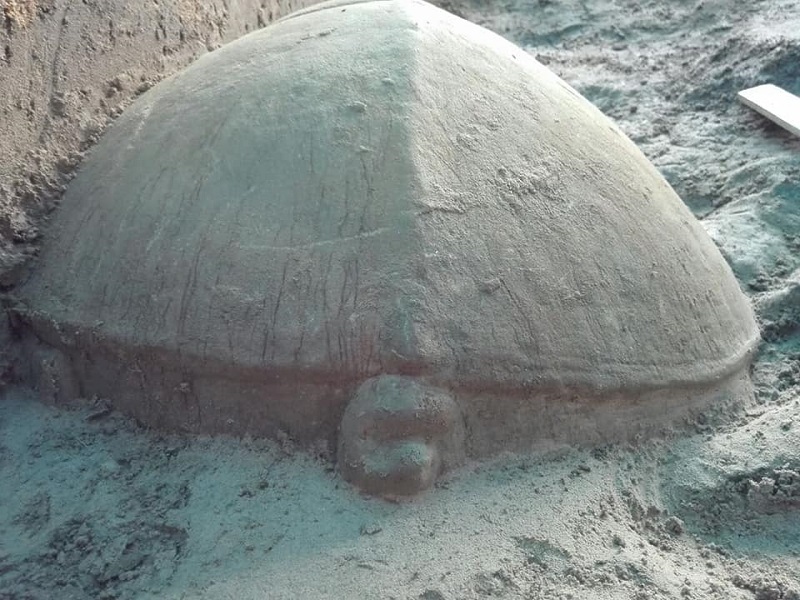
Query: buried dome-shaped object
(377,224)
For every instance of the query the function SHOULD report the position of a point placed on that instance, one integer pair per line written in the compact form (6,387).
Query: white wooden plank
(776,104)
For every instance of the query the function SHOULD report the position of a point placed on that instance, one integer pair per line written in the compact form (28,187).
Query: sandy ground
(94,506)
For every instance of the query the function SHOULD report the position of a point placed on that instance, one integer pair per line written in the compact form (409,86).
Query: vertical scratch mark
(343,220)
(189,287)
(275,313)
(306,295)
(325,315)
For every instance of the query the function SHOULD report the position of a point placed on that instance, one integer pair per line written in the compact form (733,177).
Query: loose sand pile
(96,506)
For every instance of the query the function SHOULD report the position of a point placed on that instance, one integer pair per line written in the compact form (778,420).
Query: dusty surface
(67,68)
(94,506)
